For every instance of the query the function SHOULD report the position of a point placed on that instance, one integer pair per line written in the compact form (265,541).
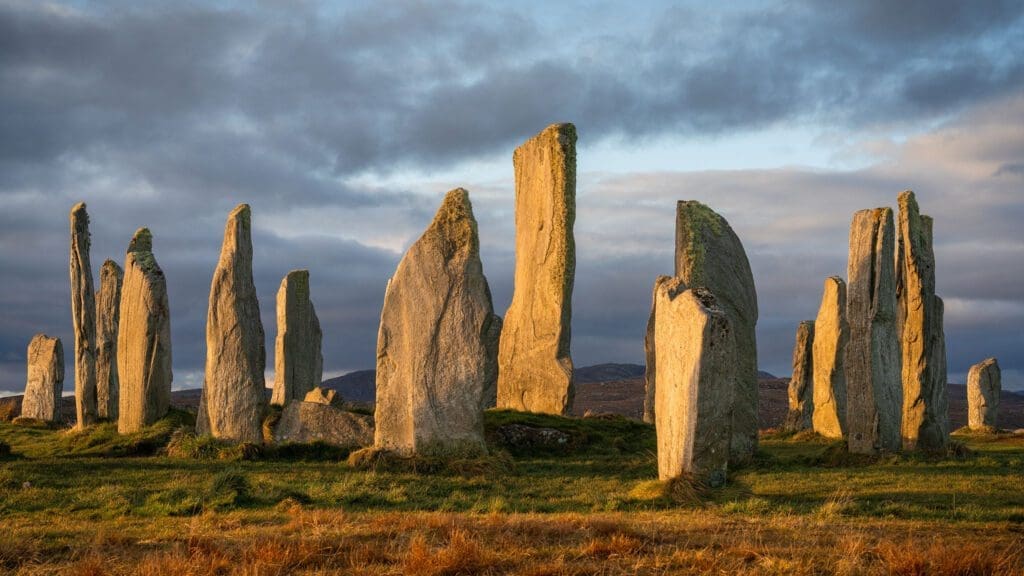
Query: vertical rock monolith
(872,362)
(801,383)
(435,348)
(83,316)
(108,313)
(45,379)
(233,398)
(710,255)
(984,384)
(831,333)
(695,383)
(143,339)
(298,362)
(535,366)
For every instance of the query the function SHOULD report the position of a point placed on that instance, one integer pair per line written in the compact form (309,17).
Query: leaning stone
(710,255)
(831,333)
(696,366)
(872,362)
(143,339)
(83,315)
(45,379)
(298,362)
(233,392)
(433,353)
(108,313)
(315,422)
(801,384)
(320,395)
(984,384)
(536,371)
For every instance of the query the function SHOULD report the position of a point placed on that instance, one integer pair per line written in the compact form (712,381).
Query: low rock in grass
(523,439)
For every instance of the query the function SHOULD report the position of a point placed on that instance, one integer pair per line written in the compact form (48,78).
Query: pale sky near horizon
(343,124)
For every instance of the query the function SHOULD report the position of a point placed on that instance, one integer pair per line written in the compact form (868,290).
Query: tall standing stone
(143,339)
(233,398)
(831,333)
(872,362)
(650,360)
(108,313)
(695,375)
(435,348)
(45,379)
(925,402)
(801,383)
(83,316)
(298,362)
(984,384)
(710,255)
(535,367)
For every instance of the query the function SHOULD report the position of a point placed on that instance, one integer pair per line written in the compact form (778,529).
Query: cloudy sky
(344,124)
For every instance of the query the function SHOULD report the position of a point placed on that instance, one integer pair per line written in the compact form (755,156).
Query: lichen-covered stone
(298,362)
(433,352)
(317,422)
(536,371)
(710,255)
(45,379)
(984,384)
(108,314)
(83,316)
(801,383)
(831,333)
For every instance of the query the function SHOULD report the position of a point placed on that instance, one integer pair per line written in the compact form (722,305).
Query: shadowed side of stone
(298,361)
(650,356)
(984,384)
(83,316)
(801,385)
(831,333)
(108,314)
(45,379)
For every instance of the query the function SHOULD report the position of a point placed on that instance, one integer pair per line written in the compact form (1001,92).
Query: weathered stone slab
(313,421)
(831,333)
(45,381)
(320,395)
(984,385)
(433,353)
(535,364)
(108,314)
(298,361)
(696,366)
(872,362)
(83,316)
(801,383)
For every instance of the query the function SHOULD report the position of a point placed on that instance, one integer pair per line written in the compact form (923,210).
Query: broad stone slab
(298,361)
(316,422)
(83,316)
(108,314)
(801,383)
(984,384)
(45,379)
(831,333)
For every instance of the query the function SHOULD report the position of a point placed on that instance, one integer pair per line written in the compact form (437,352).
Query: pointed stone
(831,333)
(45,379)
(710,255)
(433,353)
(233,392)
(108,313)
(298,362)
(650,360)
(801,383)
(536,371)
(695,375)
(872,361)
(925,402)
(143,339)
(83,316)
(984,384)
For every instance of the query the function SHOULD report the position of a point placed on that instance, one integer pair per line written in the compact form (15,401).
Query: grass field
(98,503)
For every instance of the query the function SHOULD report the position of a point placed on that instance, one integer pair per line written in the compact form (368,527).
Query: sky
(343,125)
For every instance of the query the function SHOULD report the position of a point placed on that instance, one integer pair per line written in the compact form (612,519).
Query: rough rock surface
(522,439)
(925,405)
(433,353)
(650,360)
(108,313)
(984,383)
(535,364)
(233,392)
(45,379)
(298,362)
(872,362)
(312,421)
(801,383)
(143,339)
(696,366)
(320,395)
(83,316)
(710,255)
(831,333)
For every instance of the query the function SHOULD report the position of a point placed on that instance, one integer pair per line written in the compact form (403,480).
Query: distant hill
(608,372)
(763,375)
(358,386)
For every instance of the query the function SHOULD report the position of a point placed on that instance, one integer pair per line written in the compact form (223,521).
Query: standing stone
(650,360)
(493,340)
(925,402)
(984,383)
(143,339)
(298,362)
(45,379)
(108,312)
(872,362)
(433,350)
(831,332)
(801,383)
(710,255)
(536,372)
(233,398)
(695,374)
(83,316)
